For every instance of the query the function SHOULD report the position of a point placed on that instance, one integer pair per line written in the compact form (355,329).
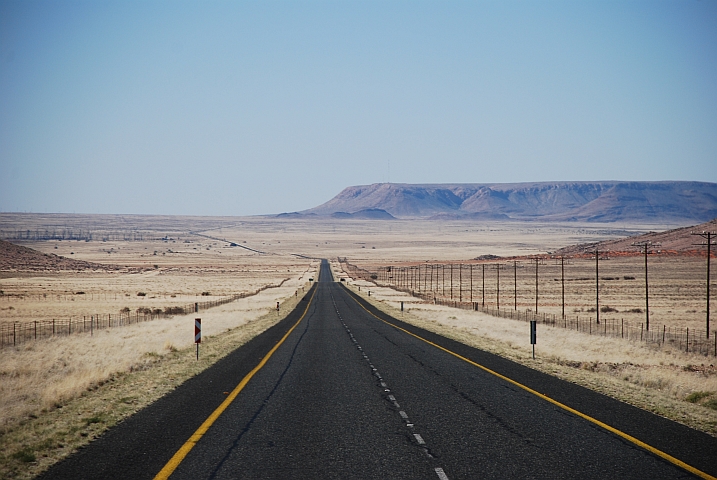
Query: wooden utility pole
(497,286)
(451,281)
(562,282)
(645,247)
(597,285)
(515,285)
(471,284)
(483,289)
(460,282)
(536,284)
(707,236)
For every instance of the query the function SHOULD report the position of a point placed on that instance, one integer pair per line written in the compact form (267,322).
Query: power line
(707,236)
(645,248)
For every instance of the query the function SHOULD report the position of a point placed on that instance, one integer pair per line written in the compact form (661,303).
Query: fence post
(35,329)
(13,334)
(687,343)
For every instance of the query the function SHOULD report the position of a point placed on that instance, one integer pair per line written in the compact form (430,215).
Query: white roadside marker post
(197,333)
(533,327)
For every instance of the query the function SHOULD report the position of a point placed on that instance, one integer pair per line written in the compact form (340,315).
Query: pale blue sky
(240,108)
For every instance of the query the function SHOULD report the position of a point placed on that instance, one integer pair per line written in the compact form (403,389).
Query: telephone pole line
(498,267)
(597,283)
(515,285)
(537,259)
(708,237)
(645,247)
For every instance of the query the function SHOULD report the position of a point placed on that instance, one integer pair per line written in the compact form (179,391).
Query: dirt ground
(179,260)
(677,286)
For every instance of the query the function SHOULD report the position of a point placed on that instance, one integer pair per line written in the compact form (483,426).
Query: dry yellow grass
(174,259)
(40,374)
(676,290)
(63,392)
(658,380)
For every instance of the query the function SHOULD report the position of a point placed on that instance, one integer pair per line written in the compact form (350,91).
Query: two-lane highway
(344,391)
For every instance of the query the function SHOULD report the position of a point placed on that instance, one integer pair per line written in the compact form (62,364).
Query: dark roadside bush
(174,310)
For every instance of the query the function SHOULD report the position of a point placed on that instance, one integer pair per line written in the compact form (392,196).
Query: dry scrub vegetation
(677,286)
(60,393)
(671,383)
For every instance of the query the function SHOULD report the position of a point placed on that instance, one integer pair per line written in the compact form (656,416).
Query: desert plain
(62,392)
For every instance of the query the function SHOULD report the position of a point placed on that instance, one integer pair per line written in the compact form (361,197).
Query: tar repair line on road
(174,462)
(417,437)
(630,438)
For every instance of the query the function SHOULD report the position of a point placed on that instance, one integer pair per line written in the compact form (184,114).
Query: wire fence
(681,338)
(16,333)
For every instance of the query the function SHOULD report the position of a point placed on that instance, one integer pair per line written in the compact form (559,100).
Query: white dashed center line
(418,438)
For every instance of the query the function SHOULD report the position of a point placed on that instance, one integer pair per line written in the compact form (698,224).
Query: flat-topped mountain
(608,201)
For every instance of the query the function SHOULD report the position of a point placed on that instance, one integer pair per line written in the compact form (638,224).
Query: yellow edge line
(174,462)
(607,427)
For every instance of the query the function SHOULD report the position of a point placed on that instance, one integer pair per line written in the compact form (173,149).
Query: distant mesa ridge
(603,201)
(366,213)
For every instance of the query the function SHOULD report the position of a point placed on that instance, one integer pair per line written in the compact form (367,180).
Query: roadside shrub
(79,293)
(157,311)
(91,420)
(125,310)
(205,294)
(374,276)
(635,310)
(607,309)
(144,310)
(695,397)
(174,310)
(141,294)
(628,277)
(24,455)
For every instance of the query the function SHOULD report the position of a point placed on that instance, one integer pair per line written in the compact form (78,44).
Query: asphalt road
(347,395)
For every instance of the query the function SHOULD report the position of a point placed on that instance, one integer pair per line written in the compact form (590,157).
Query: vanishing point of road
(341,390)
